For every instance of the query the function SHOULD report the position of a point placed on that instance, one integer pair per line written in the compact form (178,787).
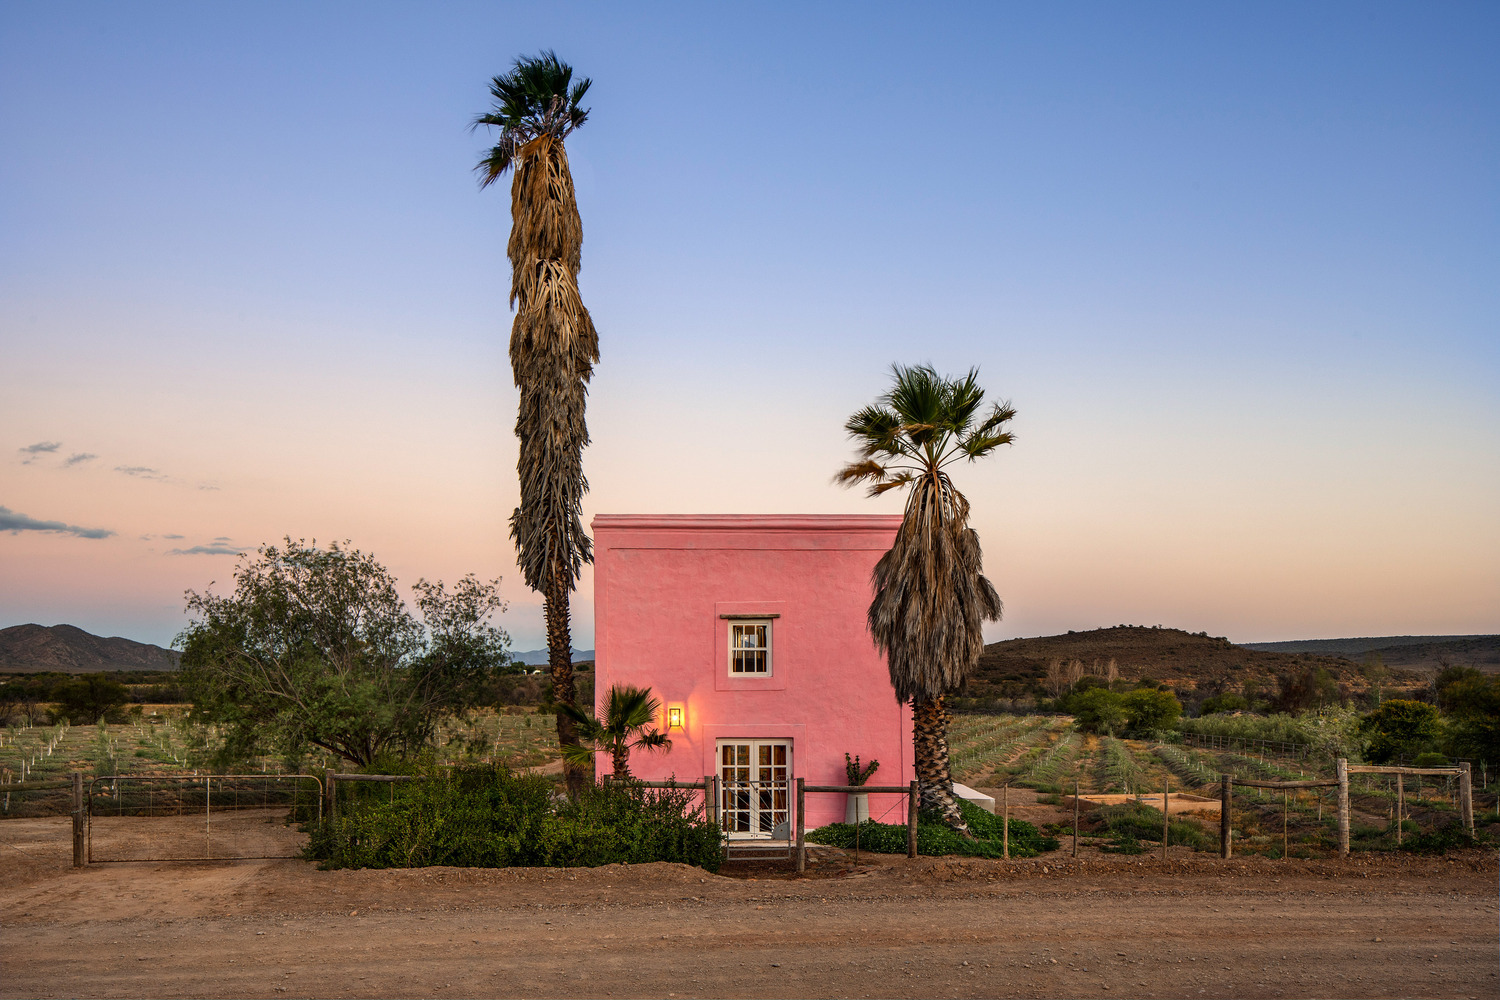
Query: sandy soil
(1101,926)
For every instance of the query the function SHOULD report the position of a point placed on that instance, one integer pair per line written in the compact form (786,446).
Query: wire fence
(202,818)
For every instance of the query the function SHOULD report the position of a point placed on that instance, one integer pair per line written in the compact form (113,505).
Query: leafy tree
(1472,701)
(553,345)
(1099,710)
(930,593)
(1147,709)
(1399,728)
(89,698)
(625,726)
(316,646)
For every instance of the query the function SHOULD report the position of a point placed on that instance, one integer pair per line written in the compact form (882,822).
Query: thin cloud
(35,451)
(208,550)
(80,458)
(173,537)
(16,523)
(139,471)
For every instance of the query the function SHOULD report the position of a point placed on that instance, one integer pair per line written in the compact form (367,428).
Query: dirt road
(1099,927)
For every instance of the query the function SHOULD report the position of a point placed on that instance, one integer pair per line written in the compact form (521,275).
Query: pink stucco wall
(661,585)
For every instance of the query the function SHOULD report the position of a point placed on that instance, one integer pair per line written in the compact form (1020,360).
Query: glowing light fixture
(674,718)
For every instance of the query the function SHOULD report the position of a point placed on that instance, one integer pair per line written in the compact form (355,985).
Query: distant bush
(1147,711)
(1097,710)
(1226,702)
(488,817)
(1401,728)
(935,838)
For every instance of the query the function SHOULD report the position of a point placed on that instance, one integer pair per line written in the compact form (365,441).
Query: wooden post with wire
(1341,768)
(1400,804)
(79,859)
(330,794)
(1466,797)
(911,821)
(1286,810)
(1005,828)
(1226,786)
(1166,814)
(1075,817)
(801,825)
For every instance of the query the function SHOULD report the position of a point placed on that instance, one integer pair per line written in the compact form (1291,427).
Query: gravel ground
(1100,926)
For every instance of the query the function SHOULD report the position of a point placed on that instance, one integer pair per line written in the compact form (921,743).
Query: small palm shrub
(486,816)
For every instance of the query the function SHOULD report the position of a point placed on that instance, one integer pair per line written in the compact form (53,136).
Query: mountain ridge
(67,649)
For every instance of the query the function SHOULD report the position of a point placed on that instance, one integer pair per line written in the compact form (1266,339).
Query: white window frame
(748,622)
(749,807)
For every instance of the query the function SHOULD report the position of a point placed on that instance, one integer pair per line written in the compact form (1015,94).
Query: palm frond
(536,98)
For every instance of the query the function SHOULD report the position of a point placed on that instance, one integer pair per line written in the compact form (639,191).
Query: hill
(33,649)
(1407,652)
(1183,659)
(538,657)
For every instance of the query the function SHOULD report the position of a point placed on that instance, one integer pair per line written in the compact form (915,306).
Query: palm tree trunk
(560,666)
(620,753)
(929,738)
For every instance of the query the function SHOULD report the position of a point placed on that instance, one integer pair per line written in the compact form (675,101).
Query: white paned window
(755,788)
(750,648)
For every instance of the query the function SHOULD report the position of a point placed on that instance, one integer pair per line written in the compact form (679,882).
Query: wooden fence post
(1005,829)
(1075,817)
(78,820)
(1466,797)
(1400,803)
(801,826)
(1341,767)
(330,796)
(1226,786)
(1166,814)
(911,821)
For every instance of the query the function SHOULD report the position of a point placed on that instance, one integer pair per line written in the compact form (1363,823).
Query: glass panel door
(755,788)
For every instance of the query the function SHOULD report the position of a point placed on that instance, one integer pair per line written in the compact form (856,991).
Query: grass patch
(1451,837)
(935,838)
(486,816)
(1136,821)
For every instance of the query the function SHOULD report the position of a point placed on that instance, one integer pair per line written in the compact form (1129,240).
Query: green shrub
(1138,821)
(1147,711)
(1401,727)
(1440,841)
(1226,702)
(1099,710)
(935,838)
(485,816)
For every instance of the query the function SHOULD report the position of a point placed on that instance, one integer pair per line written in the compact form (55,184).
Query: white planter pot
(857,807)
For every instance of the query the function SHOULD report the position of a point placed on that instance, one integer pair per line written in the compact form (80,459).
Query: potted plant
(857,805)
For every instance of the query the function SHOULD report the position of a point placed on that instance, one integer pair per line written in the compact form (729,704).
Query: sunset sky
(1236,266)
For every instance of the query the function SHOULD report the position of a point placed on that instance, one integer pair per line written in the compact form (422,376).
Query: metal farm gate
(211,817)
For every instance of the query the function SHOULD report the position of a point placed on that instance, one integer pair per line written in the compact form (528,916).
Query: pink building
(750,629)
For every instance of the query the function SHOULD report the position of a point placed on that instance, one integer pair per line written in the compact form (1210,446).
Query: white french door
(755,788)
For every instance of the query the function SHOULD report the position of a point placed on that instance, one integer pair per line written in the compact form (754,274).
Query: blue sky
(1234,265)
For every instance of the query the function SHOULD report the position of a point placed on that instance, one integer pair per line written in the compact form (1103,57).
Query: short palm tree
(930,594)
(553,343)
(628,712)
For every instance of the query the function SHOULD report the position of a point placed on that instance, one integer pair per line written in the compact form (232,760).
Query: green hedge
(489,817)
(936,838)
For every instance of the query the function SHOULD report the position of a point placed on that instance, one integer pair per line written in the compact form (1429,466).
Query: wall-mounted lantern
(674,718)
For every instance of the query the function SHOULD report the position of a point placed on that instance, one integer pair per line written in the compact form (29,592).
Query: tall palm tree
(628,711)
(553,344)
(930,594)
